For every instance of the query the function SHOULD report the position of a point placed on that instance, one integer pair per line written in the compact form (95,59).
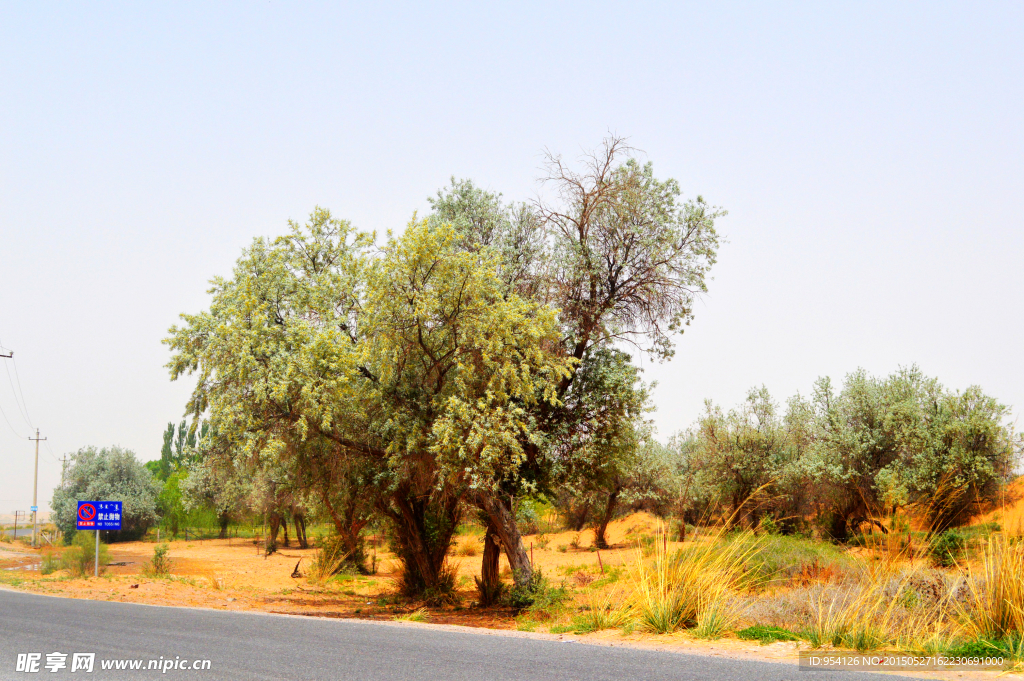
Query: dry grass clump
(994,606)
(215,581)
(327,561)
(860,615)
(695,587)
(873,605)
(468,547)
(601,611)
(417,615)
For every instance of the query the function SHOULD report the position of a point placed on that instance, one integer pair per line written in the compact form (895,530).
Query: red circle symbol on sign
(86,512)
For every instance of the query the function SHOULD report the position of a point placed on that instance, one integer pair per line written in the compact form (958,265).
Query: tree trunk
(489,583)
(609,512)
(838,529)
(223,520)
(424,529)
(284,528)
(499,513)
(275,525)
(300,529)
(349,525)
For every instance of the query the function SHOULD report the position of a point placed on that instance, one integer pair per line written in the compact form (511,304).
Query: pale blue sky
(871,157)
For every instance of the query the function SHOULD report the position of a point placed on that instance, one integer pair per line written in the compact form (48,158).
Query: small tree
(742,457)
(108,474)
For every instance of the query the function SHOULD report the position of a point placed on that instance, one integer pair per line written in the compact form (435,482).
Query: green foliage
(416,362)
(160,564)
(946,548)
(178,449)
(983,647)
(768,525)
(172,511)
(878,447)
(766,634)
(605,455)
(79,558)
(50,563)
(526,518)
(439,361)
(782,558)
(745,461)
(889,443)
(537,595)
(108,474)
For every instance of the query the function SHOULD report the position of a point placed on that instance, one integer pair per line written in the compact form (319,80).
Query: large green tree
(416,360)
(442,361)
(618,254)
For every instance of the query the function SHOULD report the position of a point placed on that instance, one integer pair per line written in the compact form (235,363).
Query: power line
(52,455)
(19,435)
(9,425)
(17,377)
(22,406)
(22,409)
(11,382)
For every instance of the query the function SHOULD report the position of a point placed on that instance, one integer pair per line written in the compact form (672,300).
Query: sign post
(98,515)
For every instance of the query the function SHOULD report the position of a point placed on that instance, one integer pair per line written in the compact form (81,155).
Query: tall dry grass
(994,606)
(327,561)
(694,587)
(877,607)
(601,610)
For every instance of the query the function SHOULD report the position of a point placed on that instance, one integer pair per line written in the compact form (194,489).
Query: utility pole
(35,490)
(63,469)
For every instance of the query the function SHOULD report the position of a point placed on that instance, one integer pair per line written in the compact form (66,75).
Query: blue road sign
(33,508)
(99,515)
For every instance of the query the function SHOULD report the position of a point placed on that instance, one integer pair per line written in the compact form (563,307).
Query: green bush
(51,563)
(538,595)
(79,558)
(766,634)
(782,558)
(526,518)
(1010,648)
(948,547)
(768,525)
(160,565)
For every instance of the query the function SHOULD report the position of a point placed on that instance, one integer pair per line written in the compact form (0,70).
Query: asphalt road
(254,646)
(22,532)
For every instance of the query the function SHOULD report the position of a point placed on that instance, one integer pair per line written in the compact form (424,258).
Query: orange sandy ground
(234,575)
(1010,512)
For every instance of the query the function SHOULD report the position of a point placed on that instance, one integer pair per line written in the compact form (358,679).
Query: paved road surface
(22,532)
(253,646)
